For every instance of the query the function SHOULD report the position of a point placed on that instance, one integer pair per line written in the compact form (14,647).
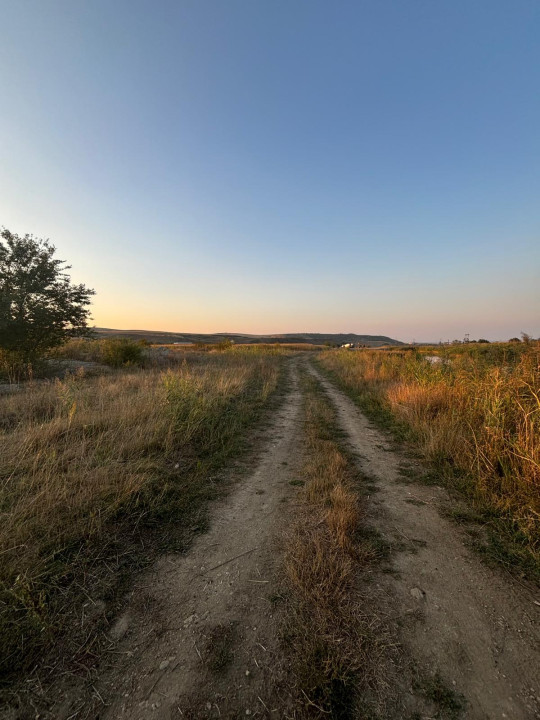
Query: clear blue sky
(281,165)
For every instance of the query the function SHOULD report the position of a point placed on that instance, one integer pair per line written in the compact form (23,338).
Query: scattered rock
(417,593)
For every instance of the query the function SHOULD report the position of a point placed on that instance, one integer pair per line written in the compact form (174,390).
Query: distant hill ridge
(168,338)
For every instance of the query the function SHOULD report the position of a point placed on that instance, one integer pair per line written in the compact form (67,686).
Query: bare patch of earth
(470,636)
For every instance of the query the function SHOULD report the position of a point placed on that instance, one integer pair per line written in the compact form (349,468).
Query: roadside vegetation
(115,352)
(333,641)
(100,473)
(474,411)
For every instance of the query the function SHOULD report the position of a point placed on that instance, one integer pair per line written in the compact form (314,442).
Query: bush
(119,352)
(12,366)
(116,352)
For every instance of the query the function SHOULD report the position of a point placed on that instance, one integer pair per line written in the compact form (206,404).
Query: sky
(265,166)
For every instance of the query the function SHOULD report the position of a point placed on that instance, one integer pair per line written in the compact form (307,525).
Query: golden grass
(242,347)
(87,462)
(479,413)
(332,640)
(121,352)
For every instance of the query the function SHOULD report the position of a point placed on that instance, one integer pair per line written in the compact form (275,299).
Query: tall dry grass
(477,412)
(123,351)
(89,462)
(333,640)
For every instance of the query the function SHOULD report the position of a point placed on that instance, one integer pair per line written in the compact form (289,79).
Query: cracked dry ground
(200,633)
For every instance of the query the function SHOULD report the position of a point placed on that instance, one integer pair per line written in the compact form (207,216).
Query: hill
(168,338)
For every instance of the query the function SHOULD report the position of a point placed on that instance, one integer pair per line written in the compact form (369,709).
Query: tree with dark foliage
(39,307)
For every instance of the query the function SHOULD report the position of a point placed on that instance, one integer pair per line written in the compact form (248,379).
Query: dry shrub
(116,352)
(426,409)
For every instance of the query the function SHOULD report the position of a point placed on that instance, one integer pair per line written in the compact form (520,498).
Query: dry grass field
(113,350)
(336,582)
(475,414)
(97,471)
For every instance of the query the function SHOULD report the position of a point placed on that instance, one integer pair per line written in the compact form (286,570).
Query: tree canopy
(39,306)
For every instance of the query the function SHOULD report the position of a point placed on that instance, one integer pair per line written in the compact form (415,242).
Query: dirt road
(199,637)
